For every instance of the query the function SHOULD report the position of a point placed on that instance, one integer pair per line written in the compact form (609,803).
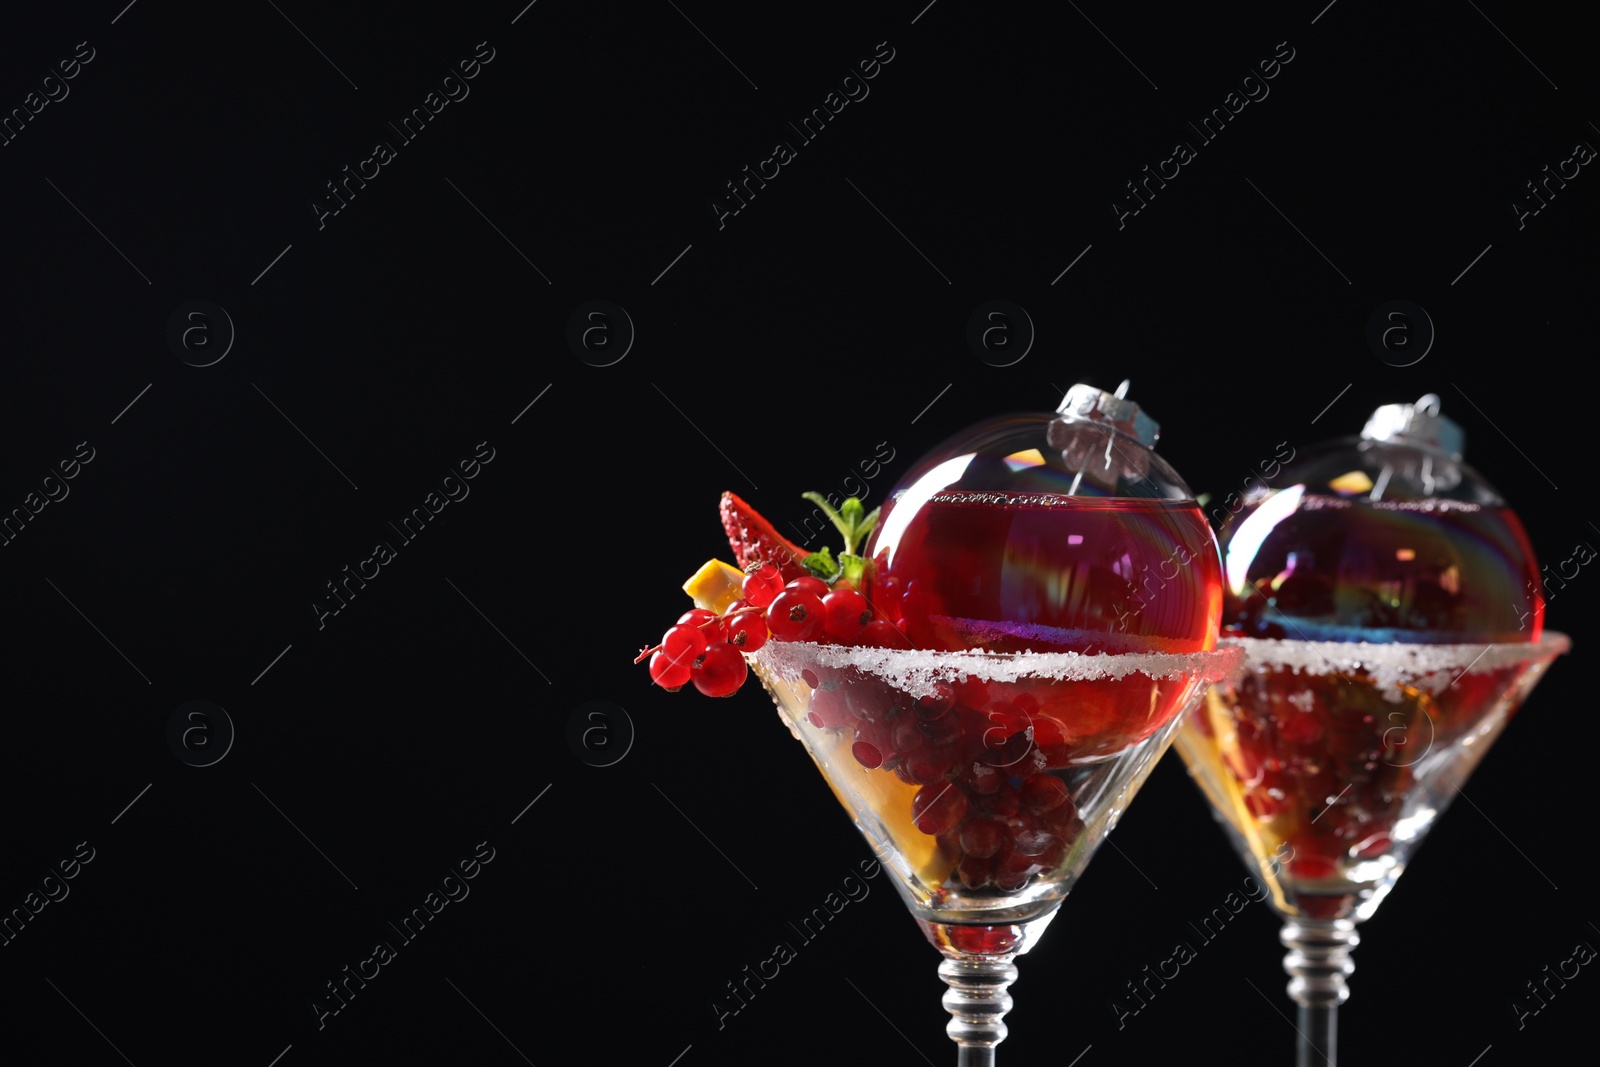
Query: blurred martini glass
(1389,607)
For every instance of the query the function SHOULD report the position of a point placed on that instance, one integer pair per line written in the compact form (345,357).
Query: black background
(773,356)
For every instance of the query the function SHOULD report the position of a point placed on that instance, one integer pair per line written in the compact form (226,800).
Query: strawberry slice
(754,540)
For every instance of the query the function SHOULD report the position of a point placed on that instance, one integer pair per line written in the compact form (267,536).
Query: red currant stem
(720,619)
(729,617)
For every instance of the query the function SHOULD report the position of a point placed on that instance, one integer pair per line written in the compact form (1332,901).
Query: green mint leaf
(840,520)
(822,565)
(827,509)
(867,524)
(851,568)
(848,519)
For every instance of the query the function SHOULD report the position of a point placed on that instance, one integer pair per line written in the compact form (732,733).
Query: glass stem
(977,1000)
(1318,963)
(1318,1043)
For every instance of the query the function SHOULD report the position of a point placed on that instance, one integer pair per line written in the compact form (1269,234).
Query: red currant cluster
(991,793)
(1300,741)
(706,648)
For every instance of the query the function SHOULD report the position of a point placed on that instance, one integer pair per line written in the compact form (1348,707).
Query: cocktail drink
(1330,761)
(984,778)
(984,781)
(988,683)
(1046,571)
(1059,589)
(1389,607)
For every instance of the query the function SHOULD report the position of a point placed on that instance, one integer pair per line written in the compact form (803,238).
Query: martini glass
(1054,590)
(1388,603)
(984,781)
(1328,762)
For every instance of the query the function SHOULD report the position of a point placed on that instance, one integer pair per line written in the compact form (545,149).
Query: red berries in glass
(982,838)
(938,807)
(1044,792)
(867,754)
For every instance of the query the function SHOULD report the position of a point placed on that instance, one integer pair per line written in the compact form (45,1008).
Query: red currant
(1063,821)
(927,765)
(938,807)
(1374,846)
(846,614)
(828,710)
(795,615)
(1312,868)
(698,617)
(904,736)
(1011,881)
(984,780)
(1051,856)
(1263,805)
(747,632)
(880,633)
(762,584)
(815,586)
(1031,842)
(683,643)
(1044,792)
(867,754)
(940,731)
(974,873)
(667,674)
(876,735)
(1299,728)
(1002,805)
(982,838)
(935,705)
(720,671)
